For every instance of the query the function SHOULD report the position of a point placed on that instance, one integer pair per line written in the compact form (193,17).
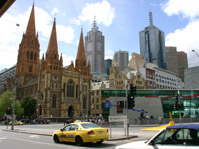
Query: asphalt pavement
(115,133)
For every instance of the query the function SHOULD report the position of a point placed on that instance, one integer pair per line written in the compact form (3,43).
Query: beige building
(117,78)
(172,59)
(136,60)
(96,97)
(182,64)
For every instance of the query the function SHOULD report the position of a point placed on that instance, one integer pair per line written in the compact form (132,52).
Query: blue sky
(119,20)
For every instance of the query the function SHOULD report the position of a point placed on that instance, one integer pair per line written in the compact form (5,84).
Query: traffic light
(8,111)
(131,97)
(176,106)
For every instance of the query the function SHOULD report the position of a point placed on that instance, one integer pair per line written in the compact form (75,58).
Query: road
(10,140)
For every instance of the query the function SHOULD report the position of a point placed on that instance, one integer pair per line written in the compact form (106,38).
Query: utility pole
(13,108)
(195,53)
(126,82)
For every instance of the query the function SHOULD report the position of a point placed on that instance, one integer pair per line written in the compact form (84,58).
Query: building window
(84,103)
(35,56)
(30,68)
(31,55)
(77,90)
(70,88)
(54,102)
(27,55)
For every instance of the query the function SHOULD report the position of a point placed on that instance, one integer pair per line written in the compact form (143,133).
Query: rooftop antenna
(150,18)
(95,24)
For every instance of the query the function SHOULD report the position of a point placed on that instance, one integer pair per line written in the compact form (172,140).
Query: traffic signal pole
(13,108)
(127,128)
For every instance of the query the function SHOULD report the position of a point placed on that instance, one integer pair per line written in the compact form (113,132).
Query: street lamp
(195,52)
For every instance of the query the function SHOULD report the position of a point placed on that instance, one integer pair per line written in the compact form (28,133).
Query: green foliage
(29,105)
(6,101)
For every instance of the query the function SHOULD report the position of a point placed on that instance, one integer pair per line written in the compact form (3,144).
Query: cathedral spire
(81,50)
(52,46)
(30,30)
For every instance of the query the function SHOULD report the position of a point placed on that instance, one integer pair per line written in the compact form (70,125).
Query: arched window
(31,55)
(55,56)
(54,102)
(70,88)
(30,68)
(35,57)
(27,55)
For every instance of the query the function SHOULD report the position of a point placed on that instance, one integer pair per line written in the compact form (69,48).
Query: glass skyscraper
(152,45)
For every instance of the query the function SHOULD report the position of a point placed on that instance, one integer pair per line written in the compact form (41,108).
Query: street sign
(117,118)
(139,111)
(107,105)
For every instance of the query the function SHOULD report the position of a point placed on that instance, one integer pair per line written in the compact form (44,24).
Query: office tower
(172,59)
(107,65)
(94,45)
(122,58)
(136,61)
(182,64)
(152,44)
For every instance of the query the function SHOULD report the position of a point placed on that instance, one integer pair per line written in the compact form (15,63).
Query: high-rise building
(152,45)
(107,65)
(94,45)
(136,61)
(172,59)
(122,59)
(182,64)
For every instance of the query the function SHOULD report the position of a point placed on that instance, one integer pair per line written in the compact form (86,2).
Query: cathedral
(61,92)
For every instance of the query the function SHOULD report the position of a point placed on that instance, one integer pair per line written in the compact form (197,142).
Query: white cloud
(103,11)
(185,39)
(187,8)
(108,57)
(55,10)
(67,60)
(75,21)
(11,35)
(65,33)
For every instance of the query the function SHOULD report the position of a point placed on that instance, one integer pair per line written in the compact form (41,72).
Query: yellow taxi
(16,123)
(81,132)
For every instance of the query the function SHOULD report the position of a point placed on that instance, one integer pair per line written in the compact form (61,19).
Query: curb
(21,131)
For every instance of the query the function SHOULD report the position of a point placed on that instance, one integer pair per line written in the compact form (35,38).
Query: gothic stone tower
(28,54)
(85,77)
(50,78)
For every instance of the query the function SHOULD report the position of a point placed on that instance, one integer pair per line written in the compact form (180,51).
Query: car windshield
(90,125)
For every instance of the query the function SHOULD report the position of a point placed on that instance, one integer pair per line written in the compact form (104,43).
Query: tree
(6,101)
(28,103)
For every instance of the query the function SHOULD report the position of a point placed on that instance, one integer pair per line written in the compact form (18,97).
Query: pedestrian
(160,120)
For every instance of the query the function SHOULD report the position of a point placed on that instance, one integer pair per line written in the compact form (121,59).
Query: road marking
(34,136)
(2,138)
(43,143)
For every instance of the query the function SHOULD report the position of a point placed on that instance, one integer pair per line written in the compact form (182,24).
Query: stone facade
(117,78)
(61,92)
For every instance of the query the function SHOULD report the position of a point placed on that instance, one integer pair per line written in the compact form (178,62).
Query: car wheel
(78,141)
(56,139)
(100,142)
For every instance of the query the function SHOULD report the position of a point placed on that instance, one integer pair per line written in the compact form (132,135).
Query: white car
(185,136)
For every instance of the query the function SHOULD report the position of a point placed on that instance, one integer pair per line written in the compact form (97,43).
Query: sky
(120,21)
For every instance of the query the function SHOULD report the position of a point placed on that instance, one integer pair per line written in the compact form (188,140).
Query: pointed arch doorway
(70,111)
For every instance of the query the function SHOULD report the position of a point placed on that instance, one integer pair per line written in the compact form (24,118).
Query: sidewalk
(114,136)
